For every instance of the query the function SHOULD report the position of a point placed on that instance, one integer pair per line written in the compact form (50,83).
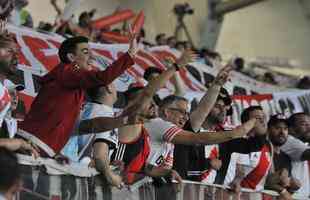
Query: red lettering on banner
(241,102)
(36,45)
(250,98)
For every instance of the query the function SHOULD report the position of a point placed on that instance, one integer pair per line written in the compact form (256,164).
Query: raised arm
(155,84)
(198,116)
(82,78)
(206,138)
(179,85)
(178,82)
(101,124)
(56,7)
(73,77)
(159,82)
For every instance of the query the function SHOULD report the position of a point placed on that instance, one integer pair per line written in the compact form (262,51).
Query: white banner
(39,55)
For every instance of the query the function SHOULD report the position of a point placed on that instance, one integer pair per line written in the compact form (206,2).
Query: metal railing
(38,185)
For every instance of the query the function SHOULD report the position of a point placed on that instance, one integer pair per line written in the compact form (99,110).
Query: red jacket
(56,108)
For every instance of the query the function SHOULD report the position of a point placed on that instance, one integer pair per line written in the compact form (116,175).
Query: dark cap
(276,119)
(68,46)
(224,95)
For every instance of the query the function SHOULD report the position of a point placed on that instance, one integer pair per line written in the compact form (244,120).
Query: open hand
(187,56)
(223,75)
(62,159)
(133,44)
(235,186)
(22,145)
(115,180)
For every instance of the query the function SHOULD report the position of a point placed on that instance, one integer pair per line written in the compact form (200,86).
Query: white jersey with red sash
(211,152)
(163,156)
(256,165)
(161,133)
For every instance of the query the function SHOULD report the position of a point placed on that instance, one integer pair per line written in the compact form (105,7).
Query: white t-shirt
(294,148)
(212,151)
(161,133)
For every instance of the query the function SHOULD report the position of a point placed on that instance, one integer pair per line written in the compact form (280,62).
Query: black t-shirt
(192,158)
(189,158)
(282,161)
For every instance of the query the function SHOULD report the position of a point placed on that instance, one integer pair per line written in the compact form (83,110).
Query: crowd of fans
(72,118)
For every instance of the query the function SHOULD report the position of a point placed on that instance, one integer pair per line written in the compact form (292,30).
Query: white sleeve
(294,148)
(160,130)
